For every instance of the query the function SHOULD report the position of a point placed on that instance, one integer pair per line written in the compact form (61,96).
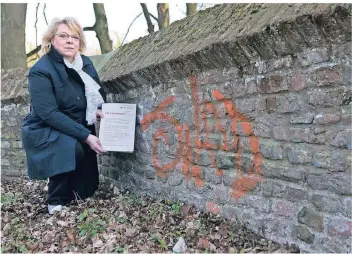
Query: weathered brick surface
(263,109)
(15,106)
(311,219)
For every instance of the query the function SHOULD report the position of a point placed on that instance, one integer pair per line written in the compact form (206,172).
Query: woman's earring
(49,45)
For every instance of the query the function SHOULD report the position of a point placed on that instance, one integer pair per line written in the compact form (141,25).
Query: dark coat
(57,118)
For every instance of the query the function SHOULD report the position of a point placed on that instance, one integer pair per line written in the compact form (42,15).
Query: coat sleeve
(44,102)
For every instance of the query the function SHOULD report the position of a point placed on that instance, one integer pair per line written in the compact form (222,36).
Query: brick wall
(14,107)
(252,123)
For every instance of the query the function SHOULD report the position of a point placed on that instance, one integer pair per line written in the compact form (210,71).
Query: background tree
(147,18)
(191,9)
(13,45)
(163,15)
(101,28)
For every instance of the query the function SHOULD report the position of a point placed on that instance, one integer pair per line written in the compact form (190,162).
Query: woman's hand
(94,144)
(99,114)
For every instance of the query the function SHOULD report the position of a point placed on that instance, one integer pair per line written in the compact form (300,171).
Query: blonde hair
(49,34)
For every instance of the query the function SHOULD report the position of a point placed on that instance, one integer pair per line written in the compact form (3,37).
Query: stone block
(329,97)
(213,208)
(340,228)
(246,105)
(271,149)
(342,51)
(298,81)
(220,195)
(281,63)
(303,233)
(261,130)
(5,162)
(271,104)
(298,135)
(229,212)
(303,117)
(211,175)
(225,160)
(175,179)
(5,144)
(343,139)
(228,177)
(347,210)
(275,170)
(332,160)
(296,195)
(325,203)
(259,203)
(149,174)
(328,76)
(273,189)
(284,208)
(311,218)
(11,121)
(312,56)
(290,103)
(323,119)
(17,144)
(339,183)
(298,154)
(273,84)
(250,85)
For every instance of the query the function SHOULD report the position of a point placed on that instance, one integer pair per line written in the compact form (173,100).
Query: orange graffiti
(242,183)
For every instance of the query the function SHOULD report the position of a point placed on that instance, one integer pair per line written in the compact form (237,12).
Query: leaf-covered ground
(114,222)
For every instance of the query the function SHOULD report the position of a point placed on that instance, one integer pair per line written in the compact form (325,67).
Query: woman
(58,134)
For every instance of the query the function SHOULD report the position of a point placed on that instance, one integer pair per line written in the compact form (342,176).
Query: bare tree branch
(34,51)
(130,26)
(44,14)
(147,17)
(35,25)
(89,28)
(156,19)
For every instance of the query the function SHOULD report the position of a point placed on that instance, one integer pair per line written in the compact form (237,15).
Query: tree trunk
(163,15)
(13,45)
(101,28)
(147,18)
(191,9)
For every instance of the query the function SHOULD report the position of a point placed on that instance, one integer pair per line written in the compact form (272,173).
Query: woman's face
(66,42)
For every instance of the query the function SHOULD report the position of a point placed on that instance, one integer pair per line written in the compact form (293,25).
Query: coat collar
(57,57)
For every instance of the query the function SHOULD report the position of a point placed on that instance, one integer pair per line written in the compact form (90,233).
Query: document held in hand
(117,127)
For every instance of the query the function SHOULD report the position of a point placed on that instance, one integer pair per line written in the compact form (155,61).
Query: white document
(117,127)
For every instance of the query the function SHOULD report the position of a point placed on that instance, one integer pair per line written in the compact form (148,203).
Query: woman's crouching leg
(85,178)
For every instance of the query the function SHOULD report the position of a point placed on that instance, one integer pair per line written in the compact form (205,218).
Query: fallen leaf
(70,236)
(97,243)
(130,232)
(62,223)
(203,243)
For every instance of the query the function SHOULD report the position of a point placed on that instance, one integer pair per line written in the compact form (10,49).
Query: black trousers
(80,183)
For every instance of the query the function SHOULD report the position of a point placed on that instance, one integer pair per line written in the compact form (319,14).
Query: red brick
(284,208)
(340,228)
(326,118)
(298,82)
(212,208)
(273,84)
(329,76)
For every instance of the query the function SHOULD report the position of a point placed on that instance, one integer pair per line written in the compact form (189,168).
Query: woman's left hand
(99,114)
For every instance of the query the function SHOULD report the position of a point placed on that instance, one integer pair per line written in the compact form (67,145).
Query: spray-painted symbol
(243,182)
